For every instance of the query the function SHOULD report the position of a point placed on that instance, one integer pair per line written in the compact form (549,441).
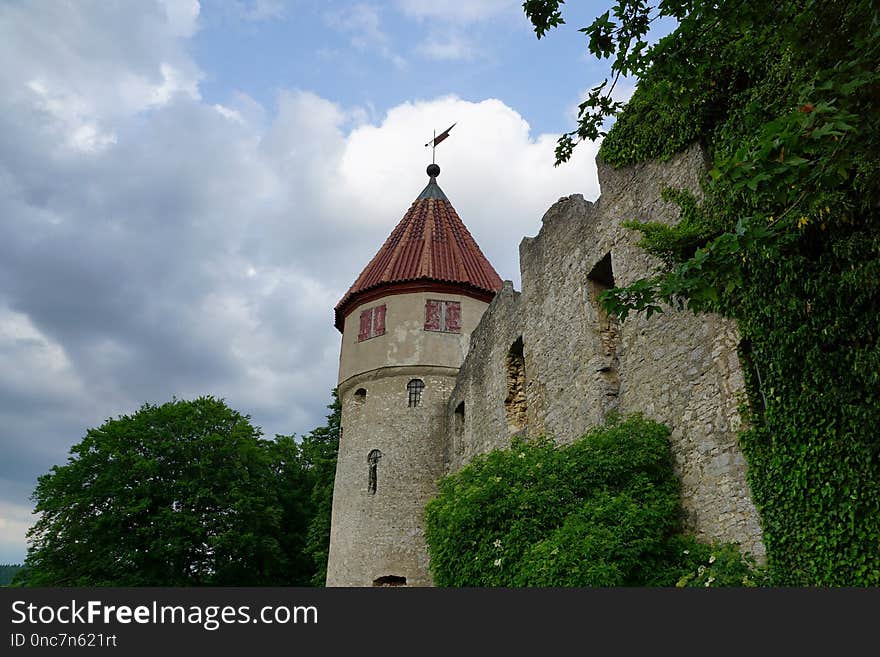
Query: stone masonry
(677,368)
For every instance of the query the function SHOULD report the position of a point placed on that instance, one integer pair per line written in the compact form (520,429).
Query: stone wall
(380,534)
(676,368)
(481,425)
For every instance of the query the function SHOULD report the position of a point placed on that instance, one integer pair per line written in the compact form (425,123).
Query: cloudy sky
(187,189)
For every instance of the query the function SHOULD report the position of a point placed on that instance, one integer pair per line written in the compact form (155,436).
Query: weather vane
(437,139)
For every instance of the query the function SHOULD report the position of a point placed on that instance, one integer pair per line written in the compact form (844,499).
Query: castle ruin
(441,361)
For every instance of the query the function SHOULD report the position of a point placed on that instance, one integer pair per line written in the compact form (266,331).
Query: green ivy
(603,511)
(787,241)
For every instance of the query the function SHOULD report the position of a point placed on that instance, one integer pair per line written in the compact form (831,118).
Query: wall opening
(515,402)
(458,430)
(360,396)
(600,279)
(459,418)
(373,477)
(390,580)
(414,392)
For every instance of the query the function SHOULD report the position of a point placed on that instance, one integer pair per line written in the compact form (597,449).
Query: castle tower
(406,324)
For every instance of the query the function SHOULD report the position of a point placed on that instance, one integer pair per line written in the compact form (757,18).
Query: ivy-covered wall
(787,242)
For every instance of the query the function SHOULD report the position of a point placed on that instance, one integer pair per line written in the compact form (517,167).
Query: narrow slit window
(373,463)
(414,391)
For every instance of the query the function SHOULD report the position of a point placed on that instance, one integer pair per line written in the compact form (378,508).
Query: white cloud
(463,12)
(91,64)
(448,47)
(498,175)
(262,10)
(363,25)
(71,114)
(183,16)
(229,113)
(31,363)
(15,520)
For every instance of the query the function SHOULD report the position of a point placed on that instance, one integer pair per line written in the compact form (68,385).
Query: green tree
(181,494)
(292,483)
(8,572)
(320,449)
(308,470)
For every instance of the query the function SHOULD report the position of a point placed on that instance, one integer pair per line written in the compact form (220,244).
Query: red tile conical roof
(429,248)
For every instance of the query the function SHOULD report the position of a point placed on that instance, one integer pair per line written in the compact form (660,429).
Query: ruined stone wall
(476,413)
(676,368)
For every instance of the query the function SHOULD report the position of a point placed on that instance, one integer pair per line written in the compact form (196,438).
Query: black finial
(433,170)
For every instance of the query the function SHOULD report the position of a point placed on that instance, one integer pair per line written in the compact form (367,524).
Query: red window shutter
(453,316)
(366,320)
(432,316)
(379,320)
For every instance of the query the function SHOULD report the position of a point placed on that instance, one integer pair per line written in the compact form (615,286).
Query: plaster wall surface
(405,341)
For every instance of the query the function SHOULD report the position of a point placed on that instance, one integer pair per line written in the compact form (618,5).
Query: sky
(188,188)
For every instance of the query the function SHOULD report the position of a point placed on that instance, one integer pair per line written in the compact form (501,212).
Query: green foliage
(182,494)
(307,490)
(320,449)
(786,240)
(174,495)
(7,572)
(717,566)
(603,511)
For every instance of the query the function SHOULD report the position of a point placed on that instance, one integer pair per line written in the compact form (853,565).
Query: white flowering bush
(603,511)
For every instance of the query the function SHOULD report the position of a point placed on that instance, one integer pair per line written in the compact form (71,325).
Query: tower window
(373,461)
(414,389)
(372,323)
(443,316)
(360,396)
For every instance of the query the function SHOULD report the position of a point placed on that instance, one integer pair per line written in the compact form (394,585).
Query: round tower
(406,324)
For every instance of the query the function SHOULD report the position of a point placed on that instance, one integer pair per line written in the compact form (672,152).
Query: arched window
(360,395)
(414,389)
(373,461)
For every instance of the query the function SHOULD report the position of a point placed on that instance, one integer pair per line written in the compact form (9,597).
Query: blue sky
(187,189)
(377,56)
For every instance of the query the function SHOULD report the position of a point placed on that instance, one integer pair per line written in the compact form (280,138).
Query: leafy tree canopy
(186,493)
(319,450)
(7,572)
